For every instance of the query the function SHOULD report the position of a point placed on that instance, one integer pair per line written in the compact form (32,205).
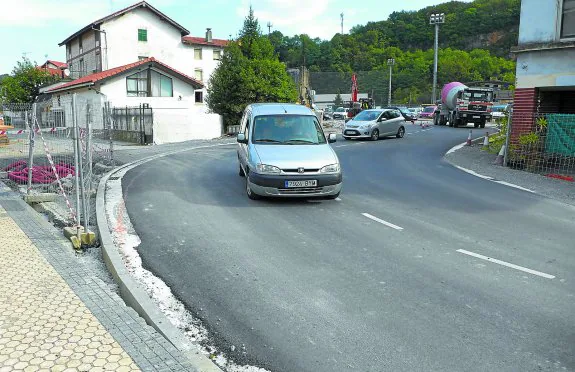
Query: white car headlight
(267,169)
(332,168)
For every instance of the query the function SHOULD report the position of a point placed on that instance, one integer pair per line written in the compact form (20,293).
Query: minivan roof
(279,108)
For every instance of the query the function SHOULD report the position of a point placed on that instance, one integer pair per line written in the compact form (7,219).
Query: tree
(338,101)
(249,72)
(23,85)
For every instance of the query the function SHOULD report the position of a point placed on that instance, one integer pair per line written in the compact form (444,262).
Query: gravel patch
(481,161)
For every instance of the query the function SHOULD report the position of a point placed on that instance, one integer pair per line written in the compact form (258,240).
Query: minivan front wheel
(400,132)
(249,192)
(375,135)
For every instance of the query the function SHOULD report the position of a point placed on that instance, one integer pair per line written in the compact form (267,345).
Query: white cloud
(313,17)
(39,13)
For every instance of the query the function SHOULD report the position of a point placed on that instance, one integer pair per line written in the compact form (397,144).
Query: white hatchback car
(374,124)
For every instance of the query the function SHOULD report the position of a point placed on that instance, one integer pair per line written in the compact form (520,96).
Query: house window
(69,51)
(199,74)
(97,37)
(217,55)
(568,21)
(199,97)
(142,34)
(198,53)
(149,83)
(80,46)
(81,67)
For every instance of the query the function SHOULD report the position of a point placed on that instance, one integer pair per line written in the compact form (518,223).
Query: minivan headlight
(332,168)
(267,169)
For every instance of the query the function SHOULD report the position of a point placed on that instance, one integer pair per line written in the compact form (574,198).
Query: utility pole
(341,16)
(390,63)
(435,19)
(269,27)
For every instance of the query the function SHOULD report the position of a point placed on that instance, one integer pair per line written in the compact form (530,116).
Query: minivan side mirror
(332,137)
(242,138)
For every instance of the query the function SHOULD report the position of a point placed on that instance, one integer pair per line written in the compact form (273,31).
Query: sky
(35,27)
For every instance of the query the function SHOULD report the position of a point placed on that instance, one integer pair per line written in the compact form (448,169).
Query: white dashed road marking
(513,266)
(388,224)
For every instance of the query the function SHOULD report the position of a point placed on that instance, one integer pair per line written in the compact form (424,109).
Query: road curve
(301,285)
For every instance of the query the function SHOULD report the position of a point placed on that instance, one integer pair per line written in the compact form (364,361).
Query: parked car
(283,152)
(327,113)
(340,113)
(499,111)
(374,124)
(427,112)
(407,115)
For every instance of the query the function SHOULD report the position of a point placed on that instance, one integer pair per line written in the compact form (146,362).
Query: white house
(138,32)
(176,99)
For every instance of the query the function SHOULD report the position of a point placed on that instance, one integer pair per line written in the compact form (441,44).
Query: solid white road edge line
(455,148)
(516,186)
(388,224)
(473,173)
(513,266)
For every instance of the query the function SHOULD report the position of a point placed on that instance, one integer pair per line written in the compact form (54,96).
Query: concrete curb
(473,173)
(131,292)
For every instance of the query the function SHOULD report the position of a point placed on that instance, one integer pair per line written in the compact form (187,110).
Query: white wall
(164,43)
(539,21)
(184,125)
(546,68)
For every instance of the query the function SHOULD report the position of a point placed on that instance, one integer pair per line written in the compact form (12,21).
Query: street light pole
(390,63)
(435,19)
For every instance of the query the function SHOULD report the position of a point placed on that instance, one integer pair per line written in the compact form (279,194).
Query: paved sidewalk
(480,161)
(56,315)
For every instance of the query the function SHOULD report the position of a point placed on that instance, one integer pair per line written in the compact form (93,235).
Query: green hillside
(474,45)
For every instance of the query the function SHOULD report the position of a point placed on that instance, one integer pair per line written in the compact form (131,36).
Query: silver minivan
(283,152)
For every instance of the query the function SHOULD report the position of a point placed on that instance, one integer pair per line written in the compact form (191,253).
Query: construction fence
(542,143)
(60,148)
(374,83)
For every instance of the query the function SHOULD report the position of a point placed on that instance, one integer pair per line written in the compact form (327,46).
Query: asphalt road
(318,286)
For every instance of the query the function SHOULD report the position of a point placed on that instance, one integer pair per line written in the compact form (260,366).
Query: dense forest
(474,45)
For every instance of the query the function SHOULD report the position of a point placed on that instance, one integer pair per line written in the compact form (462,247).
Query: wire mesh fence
(543,143)
(375,83)
(60,146)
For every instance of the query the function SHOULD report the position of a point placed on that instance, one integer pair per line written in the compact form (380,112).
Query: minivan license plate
(476,117)
(307,183)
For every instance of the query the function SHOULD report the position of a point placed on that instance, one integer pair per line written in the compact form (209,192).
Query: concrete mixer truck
(461,105)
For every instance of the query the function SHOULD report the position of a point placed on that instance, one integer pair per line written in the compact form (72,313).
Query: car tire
(400,132)
(332,197)
(482,125)
(249,192)
(374,135)
(241,171)
(475,125)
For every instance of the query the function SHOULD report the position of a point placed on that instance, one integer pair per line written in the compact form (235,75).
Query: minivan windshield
(287,130)
(429,109)
(368,115)
(340,109)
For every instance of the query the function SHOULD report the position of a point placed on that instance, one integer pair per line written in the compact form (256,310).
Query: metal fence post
(507,138)
(30,125)
(78,170)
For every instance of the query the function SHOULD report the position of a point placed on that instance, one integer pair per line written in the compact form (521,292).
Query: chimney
(208,35)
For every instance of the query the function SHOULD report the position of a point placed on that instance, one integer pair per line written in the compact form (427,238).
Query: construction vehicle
(461,105)
(355,105)
(306,95)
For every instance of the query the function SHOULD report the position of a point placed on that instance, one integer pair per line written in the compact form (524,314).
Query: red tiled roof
(192,40)
(51,71)
(99,76)
(57,64)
